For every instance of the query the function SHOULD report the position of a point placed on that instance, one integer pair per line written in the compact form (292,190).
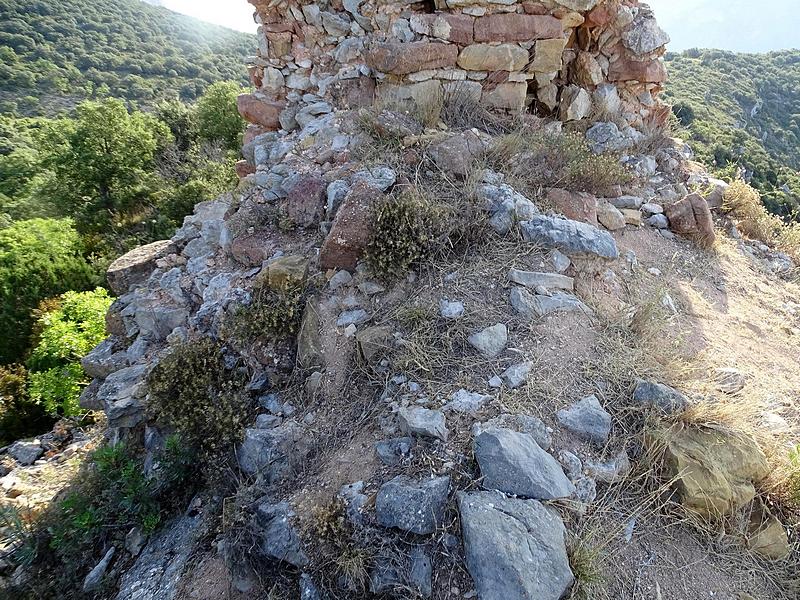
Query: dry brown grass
(532,158)
(743,203)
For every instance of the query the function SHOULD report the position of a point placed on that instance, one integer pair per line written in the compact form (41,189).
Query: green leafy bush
(39,258)
(218,117)
(69,331)
(73,325)
(192,391)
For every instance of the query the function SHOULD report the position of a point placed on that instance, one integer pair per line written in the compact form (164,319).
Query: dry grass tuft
(586,559)
(532,158)
(743,203)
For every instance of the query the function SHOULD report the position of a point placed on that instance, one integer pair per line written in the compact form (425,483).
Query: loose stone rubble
(566,59)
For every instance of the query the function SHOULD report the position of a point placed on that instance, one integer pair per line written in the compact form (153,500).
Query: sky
(738,25)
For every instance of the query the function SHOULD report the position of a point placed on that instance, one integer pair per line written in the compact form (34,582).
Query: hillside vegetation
(77,49)
(743,111)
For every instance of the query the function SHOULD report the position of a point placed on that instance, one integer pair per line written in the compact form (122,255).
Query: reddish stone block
(534,8)
(402,59)
(260,111)
(517,28)
(305,201)
(351,230)
(648,71)
(691,216)
(578,206)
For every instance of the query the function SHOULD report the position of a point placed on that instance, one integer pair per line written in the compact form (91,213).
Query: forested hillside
(75,49)
(743,110)
(116,118)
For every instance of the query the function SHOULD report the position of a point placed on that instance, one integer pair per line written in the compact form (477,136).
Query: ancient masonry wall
(569,58)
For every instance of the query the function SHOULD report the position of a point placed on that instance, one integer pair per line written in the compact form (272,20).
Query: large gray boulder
(514,463)
(535,306)
(410,505)
(515,549)
(573,238)
(279,540)
(273,453)
(26,453)
(533,426)
(156,574)
(415,420)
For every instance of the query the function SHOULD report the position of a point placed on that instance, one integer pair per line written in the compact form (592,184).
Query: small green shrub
(534,158)
(272,313)
(404,231)
(192,391)
(67,329)
(109,496)
(39,258)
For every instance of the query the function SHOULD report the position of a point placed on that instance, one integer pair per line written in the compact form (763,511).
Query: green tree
(106,167)
(217,116)
(39,258)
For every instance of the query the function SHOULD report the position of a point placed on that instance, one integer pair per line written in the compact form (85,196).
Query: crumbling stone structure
(568,58)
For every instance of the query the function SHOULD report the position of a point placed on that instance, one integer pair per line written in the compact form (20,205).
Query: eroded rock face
(514,548)
(715,471)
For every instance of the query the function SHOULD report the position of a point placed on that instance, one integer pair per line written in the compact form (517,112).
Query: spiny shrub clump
(193,391)
(273,313)
(405,229)
(536,158)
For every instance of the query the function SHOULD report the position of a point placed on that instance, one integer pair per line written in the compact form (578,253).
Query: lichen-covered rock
(273,453)
(351,230)
(587,419)
(490,342)
(714,470)
(279,540)
(514,548)
(660,396)
(410,505)
(416,420)
(570,237)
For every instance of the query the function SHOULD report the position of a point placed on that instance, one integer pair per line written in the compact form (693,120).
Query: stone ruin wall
(566,58)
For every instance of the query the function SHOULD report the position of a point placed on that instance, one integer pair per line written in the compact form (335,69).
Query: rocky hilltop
(472,326)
